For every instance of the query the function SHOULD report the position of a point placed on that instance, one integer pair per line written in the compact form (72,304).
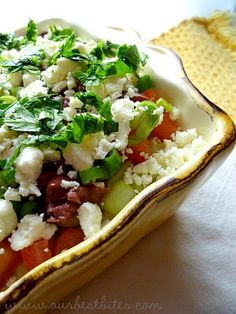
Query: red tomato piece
(165,129)
(9,261)
(142,147)
(152,93)
(67,238)
(135,157)
(36,253)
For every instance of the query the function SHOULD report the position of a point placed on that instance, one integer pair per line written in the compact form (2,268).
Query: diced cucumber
(120,173)
(144,123)
(119,195)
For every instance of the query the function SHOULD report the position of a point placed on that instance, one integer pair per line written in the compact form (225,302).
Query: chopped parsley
(30,63)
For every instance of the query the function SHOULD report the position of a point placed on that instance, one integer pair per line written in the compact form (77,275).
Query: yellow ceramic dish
(71,269)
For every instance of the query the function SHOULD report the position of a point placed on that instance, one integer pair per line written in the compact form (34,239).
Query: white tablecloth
(188,264)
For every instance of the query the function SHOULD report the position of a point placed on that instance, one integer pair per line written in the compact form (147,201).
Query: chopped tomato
(36,253)
(165,129)
(9,261)
(142,147)
(135,157)
(152,93)
(67,238)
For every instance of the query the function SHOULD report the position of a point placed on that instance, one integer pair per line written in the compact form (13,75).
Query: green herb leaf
(129,54)
(98,72)
(66,51)
(56,140)
(89,98)
(57,34)
(110,49)
(7,175)
(23,120)
(30,63)
(65,48)
(83,123)
(50,119)
(31,32)
(25,207)
(36,115)
(103,50)
(104,109)
(8,42)
(98,52)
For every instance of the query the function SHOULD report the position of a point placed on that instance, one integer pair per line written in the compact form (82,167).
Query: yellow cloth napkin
(207,47)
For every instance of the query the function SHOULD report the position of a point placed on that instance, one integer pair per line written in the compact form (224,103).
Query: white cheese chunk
(15,79)
(69,184)
(90,217)
(79,156)
(174,154)
(115,85)
(185,137)
(29,78)
(28,168)
(6,133)
(10,54)
(12,195)
(66,65)
(60,171)
(8,219)
(50,47)
(70,81)
(53,75)
(123,112)
(35,88)
(51,154)
(59,86)
(103,148)
(174,113)
(70,111)
(85,47)
(30,229)
(72,174)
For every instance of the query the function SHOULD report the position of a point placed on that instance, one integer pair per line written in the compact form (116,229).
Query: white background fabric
(188,264)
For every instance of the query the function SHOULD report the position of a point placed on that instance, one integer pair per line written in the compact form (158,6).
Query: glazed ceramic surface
(66,272)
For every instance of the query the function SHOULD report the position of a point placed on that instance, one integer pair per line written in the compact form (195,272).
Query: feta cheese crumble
(176,152)
(90,217)
(12,194)
(36,88)
(28,168)
(79,156)
(30,229)
(123,112)
(72,174)
(69,184)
